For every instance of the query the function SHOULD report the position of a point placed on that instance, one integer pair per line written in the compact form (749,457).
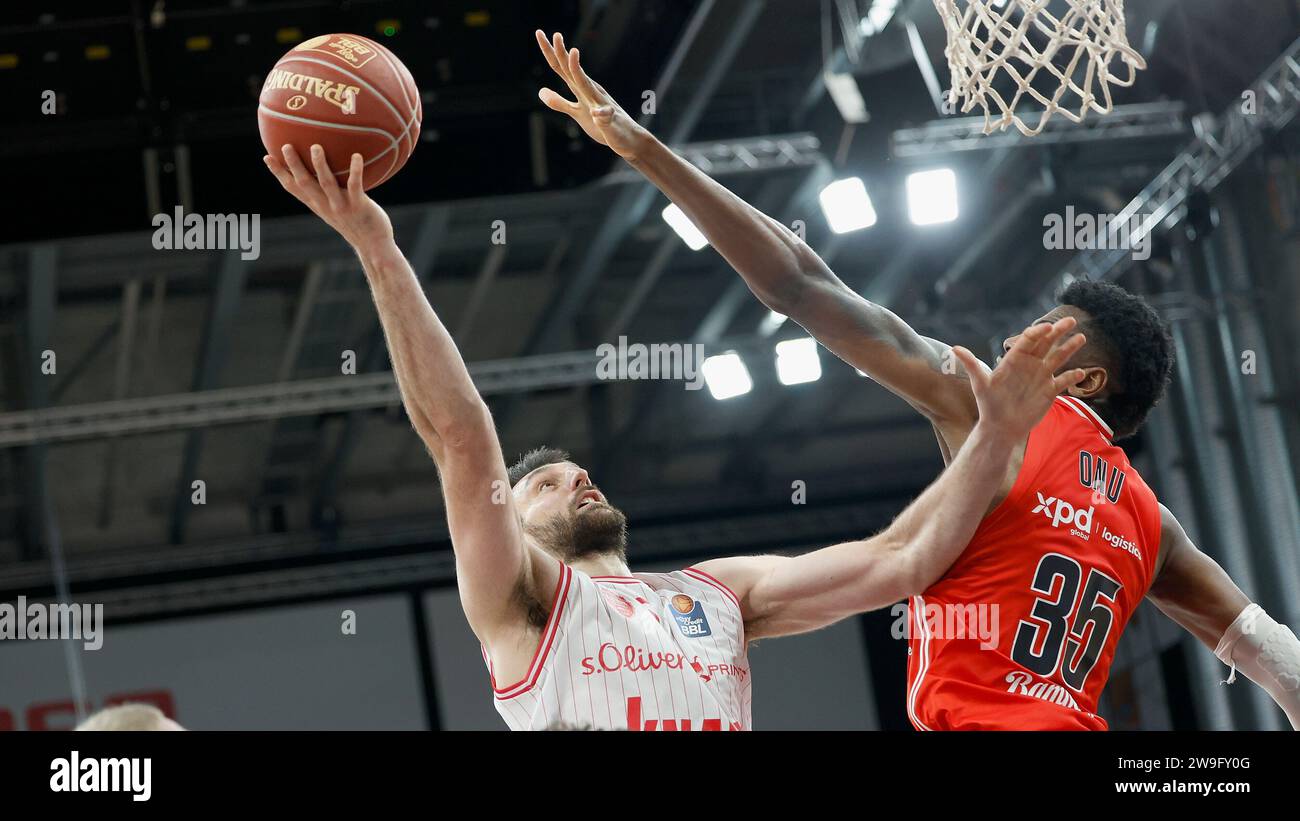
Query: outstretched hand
(348,210)
(1014,397)
(592,108)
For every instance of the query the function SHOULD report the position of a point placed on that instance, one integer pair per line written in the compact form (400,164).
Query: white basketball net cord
(984,42)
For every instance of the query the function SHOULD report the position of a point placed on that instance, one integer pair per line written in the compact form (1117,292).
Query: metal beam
(1258,481)
(311,285)
(747,155)
(228,287)
(483,281)
(1203,165)
(306,397)
(434,564)
(156,414)
(1147,121)
(93,351)
(645,283)
(42,294)
(1215,529)
(121,380)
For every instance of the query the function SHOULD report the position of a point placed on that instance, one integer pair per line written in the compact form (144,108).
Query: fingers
(1055,332)
(557,43)
(553,51)
(295,178)
(1037,340)
(1061,354)
(974,368)
(277,168)
(325,176)
(549,52)
(1061,328)
(356,176)
(555,102)
(1068,380)
(301,176)
(585,85)
(1033,341)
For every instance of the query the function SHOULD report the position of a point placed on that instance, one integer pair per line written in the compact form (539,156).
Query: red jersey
(1020,632)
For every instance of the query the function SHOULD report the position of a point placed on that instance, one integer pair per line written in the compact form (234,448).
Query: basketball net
(1063,63)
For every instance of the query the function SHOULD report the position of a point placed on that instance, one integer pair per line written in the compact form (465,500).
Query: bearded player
(570,636)
(1072,540)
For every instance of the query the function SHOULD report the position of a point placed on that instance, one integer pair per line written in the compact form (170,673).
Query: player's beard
(599,530)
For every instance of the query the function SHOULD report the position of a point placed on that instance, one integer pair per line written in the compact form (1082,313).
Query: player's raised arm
(781,270)
(492,559)
(790,595)
(1193,590)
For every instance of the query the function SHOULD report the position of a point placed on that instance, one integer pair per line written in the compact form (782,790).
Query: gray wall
(283,668)
(291,668)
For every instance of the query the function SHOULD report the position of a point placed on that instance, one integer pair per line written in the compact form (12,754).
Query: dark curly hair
(1136,345)
(534,459)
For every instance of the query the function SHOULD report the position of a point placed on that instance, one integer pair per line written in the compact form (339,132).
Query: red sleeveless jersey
(1020,632)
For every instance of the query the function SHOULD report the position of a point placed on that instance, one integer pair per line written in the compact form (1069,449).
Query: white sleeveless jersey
(654,651)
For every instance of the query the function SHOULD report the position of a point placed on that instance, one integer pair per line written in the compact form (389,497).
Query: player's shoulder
(715,579)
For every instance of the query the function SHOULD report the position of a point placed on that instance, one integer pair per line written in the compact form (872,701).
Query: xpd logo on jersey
(690,617)
(1062,512)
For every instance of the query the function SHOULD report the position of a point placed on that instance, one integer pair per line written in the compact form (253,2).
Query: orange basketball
(349,95)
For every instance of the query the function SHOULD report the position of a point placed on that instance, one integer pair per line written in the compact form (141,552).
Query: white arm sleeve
(1268,653)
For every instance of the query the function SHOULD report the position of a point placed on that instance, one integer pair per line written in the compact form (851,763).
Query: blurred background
(176,367)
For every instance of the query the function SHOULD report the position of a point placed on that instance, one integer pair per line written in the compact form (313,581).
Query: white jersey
(654,651)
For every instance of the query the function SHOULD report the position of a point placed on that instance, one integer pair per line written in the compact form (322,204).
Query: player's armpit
(1191,588)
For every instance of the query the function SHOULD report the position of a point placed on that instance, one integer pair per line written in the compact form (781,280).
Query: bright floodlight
(932,196)
(772,323)
(797,362)
(685,229)
(847,205)
(727,376)
(882,11)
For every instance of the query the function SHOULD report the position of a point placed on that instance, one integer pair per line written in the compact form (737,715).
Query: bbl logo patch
(690,617)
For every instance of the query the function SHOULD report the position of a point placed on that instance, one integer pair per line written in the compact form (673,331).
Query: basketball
(347,94)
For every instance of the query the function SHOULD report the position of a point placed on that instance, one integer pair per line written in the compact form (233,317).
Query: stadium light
(882,11)
(932,196)
(685,229)
(727,376)
(771,323)
(797,361)
(847,205)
